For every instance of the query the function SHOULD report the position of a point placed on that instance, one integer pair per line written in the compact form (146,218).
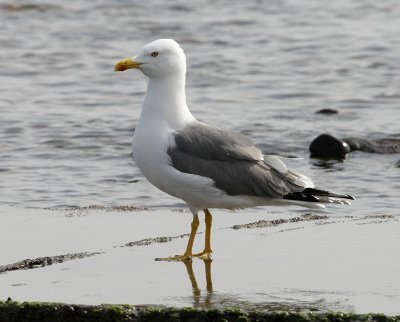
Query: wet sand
(100,255)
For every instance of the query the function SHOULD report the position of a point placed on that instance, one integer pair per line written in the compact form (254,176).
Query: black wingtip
(325,193)
(313,194)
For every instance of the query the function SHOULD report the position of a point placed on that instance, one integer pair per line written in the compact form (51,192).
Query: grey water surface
(258,67)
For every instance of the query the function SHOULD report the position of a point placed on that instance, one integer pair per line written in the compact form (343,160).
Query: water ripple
(263,68)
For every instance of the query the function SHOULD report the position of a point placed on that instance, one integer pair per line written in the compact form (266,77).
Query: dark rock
(327,111)
(327,146)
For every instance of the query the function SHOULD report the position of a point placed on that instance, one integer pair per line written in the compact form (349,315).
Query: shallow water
(262,68)
(344,264)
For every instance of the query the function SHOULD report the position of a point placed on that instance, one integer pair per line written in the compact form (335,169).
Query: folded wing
(233,162)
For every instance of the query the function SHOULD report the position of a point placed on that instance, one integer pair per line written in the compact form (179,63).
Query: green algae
(11,311)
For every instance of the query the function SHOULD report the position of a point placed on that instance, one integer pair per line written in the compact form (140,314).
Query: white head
(158,59)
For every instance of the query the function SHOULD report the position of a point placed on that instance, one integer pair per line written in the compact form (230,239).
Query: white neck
(165,100)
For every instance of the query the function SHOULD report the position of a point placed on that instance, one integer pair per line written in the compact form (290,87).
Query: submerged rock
(27,6)
(277,222)
(328,146)
(44,261)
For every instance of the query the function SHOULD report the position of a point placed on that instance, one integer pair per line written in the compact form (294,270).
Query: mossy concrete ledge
(11,311)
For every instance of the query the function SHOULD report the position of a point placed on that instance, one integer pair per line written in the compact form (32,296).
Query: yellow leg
(189,248)
(206,253)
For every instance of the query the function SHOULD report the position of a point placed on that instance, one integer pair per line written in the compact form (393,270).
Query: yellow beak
(126,64)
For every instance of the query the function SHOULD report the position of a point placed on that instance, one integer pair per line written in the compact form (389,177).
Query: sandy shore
(106,255)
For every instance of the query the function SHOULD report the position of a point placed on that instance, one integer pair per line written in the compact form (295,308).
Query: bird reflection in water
(197,298)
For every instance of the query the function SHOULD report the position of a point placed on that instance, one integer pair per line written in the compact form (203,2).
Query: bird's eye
(154,54)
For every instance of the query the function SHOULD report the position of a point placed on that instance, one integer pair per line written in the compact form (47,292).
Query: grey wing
(233,162)
(211,143)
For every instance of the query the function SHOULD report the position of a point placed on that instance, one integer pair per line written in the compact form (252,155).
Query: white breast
(150,144)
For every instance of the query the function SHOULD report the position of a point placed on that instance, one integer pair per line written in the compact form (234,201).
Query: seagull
(204,165)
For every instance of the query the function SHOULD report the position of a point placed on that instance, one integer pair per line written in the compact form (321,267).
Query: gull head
(158,59)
